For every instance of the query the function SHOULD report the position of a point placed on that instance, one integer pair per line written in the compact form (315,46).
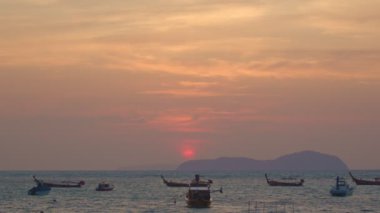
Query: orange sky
(90,84)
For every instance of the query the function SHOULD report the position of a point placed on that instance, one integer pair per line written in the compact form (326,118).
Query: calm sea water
(137,191)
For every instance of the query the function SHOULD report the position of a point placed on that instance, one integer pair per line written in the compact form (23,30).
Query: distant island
(305,161)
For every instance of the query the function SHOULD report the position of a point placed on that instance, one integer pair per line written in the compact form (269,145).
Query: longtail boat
(195,182)
(174,184)
(61,184)
(376,181)
(283,183)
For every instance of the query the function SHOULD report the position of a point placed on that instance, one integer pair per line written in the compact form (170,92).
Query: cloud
(346,19)
(197,84)
(200,38)
(182,93)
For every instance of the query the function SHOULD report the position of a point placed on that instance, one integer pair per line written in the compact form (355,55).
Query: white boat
(103,186)
(341,188)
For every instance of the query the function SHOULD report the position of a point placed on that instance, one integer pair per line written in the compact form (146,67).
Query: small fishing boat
(284,183)
(376,181)
(62,184)
(103,186)
(195,182)
(40,189)
(341,188)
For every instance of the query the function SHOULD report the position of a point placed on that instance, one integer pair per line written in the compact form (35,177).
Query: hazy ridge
(305,160)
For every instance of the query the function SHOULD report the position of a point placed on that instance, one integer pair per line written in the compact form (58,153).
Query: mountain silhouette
(305,161)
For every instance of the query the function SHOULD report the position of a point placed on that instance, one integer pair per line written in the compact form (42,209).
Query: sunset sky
(94,84)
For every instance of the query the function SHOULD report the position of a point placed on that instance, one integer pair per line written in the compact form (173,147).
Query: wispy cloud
(197,84)
(182,93)
(196,38)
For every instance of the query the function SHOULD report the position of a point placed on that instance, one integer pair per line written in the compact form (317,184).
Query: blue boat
(341,188)
(40,189)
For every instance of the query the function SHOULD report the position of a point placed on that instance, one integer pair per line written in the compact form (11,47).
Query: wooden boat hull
(58,185)
(180,184)
(365,182)
(284,184)
(279,183)
(174,184)
(62,184)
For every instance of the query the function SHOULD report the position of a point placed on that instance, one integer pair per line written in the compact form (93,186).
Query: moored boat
(195,182)
(173,184)
(284,183)
(61,184)
(376,181)
(341,188)
(103,186)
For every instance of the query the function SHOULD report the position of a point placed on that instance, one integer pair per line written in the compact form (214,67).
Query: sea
(144,191)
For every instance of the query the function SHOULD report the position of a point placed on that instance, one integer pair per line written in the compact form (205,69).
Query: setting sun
(188,153)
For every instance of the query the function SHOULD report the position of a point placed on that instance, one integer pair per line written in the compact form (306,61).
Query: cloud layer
(130,79)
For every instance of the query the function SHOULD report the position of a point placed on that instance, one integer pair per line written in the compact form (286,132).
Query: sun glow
(188,153)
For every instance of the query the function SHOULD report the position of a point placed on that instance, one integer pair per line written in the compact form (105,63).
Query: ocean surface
(144,191)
